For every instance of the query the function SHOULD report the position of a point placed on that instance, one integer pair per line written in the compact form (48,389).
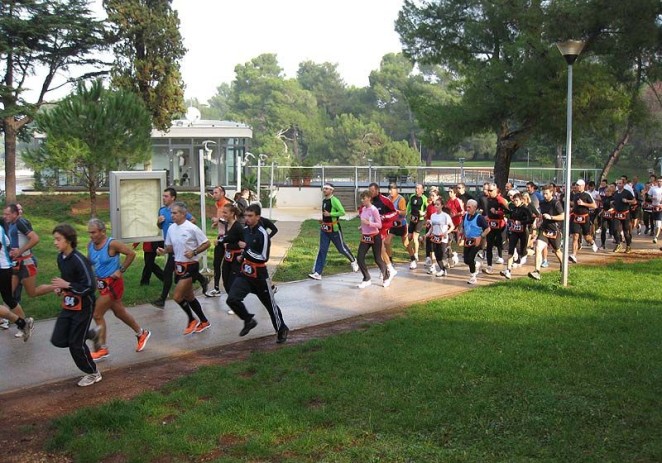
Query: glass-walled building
(177,151)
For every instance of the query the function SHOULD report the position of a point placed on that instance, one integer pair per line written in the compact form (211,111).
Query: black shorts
(580,228)
(398,231)
(185,270)
(415,227)
(553,243)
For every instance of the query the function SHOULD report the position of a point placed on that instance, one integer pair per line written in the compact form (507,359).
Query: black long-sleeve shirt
(77,270)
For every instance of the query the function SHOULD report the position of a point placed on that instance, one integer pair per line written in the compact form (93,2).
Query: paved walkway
(304,303)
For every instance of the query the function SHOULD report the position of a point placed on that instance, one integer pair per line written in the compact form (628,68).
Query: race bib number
(515,226)
(581,219)
(436,239)
(327,227)
(101,284)
(71,302)
(621,215)
(368,239)
(550,234)
(494,223)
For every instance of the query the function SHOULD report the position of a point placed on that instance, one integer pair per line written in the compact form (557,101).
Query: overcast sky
(219,34)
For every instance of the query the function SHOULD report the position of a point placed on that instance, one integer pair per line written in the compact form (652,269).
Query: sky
(219,34)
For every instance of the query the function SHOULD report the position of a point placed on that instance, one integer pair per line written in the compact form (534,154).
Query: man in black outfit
(254,277)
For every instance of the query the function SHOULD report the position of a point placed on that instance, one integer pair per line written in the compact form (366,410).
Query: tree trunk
(428,156)
(616,153)
(11,134)
(508,142)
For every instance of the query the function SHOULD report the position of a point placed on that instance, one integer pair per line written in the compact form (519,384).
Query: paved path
(304,303)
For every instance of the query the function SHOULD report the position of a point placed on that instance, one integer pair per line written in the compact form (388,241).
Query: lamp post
(570,49)
(203,154)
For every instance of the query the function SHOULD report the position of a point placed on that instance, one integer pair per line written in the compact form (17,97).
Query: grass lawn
(46,211)
(518,371)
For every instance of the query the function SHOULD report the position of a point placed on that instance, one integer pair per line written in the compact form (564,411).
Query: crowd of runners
(494,231)
(494,228)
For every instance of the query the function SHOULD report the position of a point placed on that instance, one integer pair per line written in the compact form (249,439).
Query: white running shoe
(499,260)
(213,293)
(505,274)
(412,265)
(365,284)
(428,261)
(488,270)
(480,255)
(441,273)
(230,312)
(4,324)
(392,271)
(594,247)
(27,330)
(572,258)
(473,280)
(90,379)
(355,266)
(386,283)
(315,276)
(522,261)
(432,269)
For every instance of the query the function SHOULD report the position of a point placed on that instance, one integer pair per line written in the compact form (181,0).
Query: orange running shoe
(100,354)
(142,339)
(202,326)
(190,328)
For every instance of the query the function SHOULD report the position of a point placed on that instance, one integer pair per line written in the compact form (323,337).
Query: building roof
(204,128)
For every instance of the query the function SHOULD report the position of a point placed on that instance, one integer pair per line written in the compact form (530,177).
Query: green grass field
(519,371)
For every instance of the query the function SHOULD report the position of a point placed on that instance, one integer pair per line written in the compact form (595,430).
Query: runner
(655,193)
(441,227)
(331,232)
(185,242)
(474,230)
(104,253)
(13,308)
(371,223)
(217,222)
(415,215)
(388,215)
(164,222)
(496,209)
(433,195)
(23,238)
(254,277)
(622,200)
(519,218)
(399,227)
(582,204)
(76,286)
(456,210)
(549,234)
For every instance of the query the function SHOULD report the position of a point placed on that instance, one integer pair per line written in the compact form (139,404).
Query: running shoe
(213,293)
(282,335)
(594,247)
(654,241)
(365,284)
(428,261)
(100,354)
(392,271)
(432,269)
(28,328)
(499,260)
(618,248)
(190,328)
(522,261)
(572,258)
(480,255)
(535,275)
(4,324)
(19,334)
(160,303)
(355,266)
(248,326)
(628,249)
(544,264)
(473,280)
(202,326)
(412,265)
(505,274)
(386,283)
(488,270)
(143,337)
(230,312)
(90,379)
(441,273)
(455,259)
(315,276)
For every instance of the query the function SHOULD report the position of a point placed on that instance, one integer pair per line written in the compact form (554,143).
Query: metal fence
(361,176)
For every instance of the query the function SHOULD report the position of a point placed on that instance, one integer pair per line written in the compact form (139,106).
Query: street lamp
(570,49)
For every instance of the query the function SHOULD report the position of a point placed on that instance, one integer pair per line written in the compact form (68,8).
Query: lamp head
(571,49)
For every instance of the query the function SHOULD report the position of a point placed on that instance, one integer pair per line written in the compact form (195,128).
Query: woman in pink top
(371,223)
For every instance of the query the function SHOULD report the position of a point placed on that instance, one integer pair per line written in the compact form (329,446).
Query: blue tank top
(471,227)
(104,264)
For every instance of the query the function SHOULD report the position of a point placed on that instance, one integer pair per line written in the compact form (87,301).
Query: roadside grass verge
(517,371)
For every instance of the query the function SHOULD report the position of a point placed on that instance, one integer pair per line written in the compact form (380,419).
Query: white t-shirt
(655,193)
(441,222)
(184,237)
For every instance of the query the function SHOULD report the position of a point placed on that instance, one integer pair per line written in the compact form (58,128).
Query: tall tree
(91,132)
(148,49)
(325,83)
(38,40)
